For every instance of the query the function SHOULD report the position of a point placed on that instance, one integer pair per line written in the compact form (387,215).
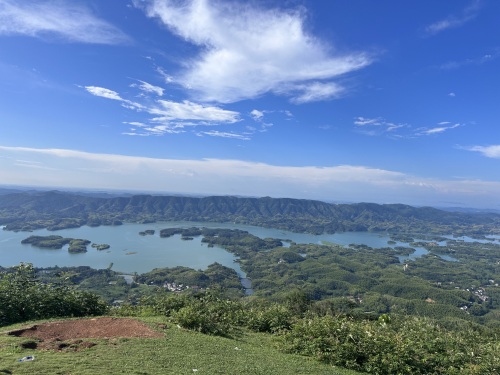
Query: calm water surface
(131,252)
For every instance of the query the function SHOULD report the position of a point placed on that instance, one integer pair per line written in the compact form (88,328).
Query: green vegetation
(100,247)
(355,307)
(181,278)
(357,279)
(57,242)
(391,344)
(23,297)
(57,210)
(377,344)
(179,352)
(403,346)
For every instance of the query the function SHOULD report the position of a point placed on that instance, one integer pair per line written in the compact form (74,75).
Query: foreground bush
(406,346)
(23,298)
(272,318)
(211,314)
(387,346)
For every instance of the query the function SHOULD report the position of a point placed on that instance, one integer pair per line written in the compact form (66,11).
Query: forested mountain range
(56,210)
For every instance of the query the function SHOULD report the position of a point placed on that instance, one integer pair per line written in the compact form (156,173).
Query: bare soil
(68,334)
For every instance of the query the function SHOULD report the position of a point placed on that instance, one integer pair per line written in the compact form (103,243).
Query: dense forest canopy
(57,210)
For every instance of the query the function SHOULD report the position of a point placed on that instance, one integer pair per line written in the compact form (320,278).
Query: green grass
(179,352)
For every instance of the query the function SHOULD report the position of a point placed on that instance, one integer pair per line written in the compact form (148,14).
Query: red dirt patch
(87,328)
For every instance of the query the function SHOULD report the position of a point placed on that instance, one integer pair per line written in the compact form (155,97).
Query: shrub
(23,297)
(401,346)
(210,314)
(272,318)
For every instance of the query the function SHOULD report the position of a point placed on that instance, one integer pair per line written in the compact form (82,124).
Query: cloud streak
(104,93)
(437,130)
(64,20)
(484,59)
(453,21)
(380,126)
(148,88)
(77,169)
(247,51)
(377,126)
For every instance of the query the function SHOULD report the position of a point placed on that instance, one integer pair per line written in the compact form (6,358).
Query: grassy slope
(180,352)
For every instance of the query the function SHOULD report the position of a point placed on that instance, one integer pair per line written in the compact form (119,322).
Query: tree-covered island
(76,245)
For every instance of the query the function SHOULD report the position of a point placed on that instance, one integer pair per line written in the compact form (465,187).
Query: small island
(100,247)
(147,232)
(76,245)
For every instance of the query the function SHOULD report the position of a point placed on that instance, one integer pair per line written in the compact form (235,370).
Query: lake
(131,252)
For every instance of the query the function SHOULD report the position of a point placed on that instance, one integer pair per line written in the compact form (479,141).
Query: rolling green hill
(57,210)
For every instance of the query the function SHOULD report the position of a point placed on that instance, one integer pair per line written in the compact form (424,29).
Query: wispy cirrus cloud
(168,110)
(55,19)
(377,126)
(216,133)
(486,58)
(445,126)
(467,14)
(148,88)
(166,116)
(380,126)
(78,169)
(247,51)
(316,91)
(492,151)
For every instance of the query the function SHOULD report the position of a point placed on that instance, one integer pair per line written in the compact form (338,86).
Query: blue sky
(345,101)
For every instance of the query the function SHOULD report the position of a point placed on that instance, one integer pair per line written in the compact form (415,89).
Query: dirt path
(87,328)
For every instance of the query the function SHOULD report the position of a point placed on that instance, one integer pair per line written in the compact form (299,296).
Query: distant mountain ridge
(57,210)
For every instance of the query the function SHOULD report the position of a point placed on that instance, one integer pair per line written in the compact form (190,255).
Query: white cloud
(148,88)
(168,116)
(65,20)
(169,110)
(380,126)
(488,151)
(77,169)
(437,130)
(452,94)
(317,91)
(167,78)
(257,115)
(215,133)
(248,51)
(377,126)
(104,93)
(453,21)
(362,121)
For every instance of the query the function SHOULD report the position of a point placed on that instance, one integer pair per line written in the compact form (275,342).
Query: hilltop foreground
(168,350)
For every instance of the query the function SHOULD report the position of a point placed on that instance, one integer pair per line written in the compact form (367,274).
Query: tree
(23,297)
